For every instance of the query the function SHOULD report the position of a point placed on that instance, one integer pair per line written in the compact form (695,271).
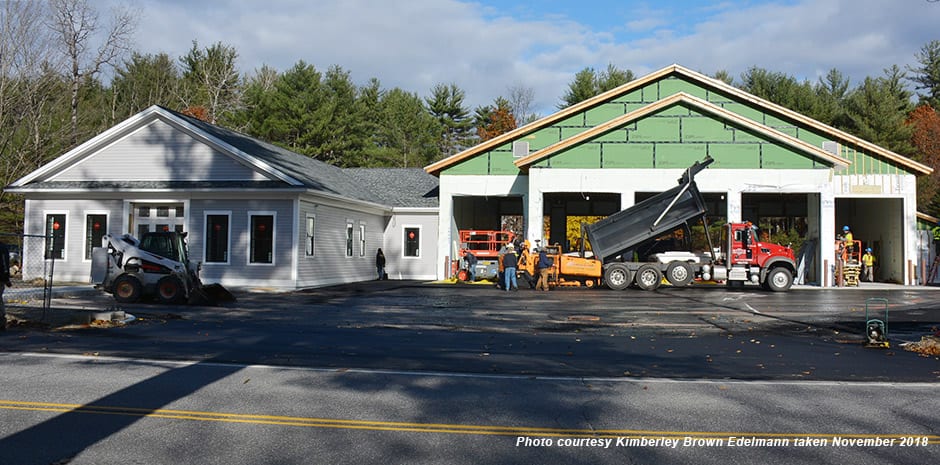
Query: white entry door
(158,217)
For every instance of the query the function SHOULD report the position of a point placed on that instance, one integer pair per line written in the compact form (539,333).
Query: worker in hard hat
(848,240)
(868,266)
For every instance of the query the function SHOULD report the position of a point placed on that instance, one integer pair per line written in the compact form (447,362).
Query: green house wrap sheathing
(676,137)
(671,138)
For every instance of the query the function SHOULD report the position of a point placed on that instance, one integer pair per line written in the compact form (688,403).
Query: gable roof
(437,167)
(399,187)
(283,168)
(700,105)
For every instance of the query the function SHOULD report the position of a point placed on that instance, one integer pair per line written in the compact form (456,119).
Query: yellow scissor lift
(849,263)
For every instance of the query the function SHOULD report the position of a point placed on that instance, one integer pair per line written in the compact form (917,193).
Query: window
(217,234)
(262,239)
(163,212)
(55,230)
(362,240)
(349,239)
(96,226)
(412,242)
(311,229)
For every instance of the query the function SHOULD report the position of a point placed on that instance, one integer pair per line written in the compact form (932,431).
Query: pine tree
(927,75)
(446,105)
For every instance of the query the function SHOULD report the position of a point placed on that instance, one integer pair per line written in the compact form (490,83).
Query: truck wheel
(648,277)
(679,274)
(617,276)
(779,279)
(127,289)
(170,290)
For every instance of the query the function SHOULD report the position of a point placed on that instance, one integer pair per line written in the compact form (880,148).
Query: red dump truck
(628,247)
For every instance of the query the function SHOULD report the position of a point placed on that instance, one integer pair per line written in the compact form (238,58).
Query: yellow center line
(439,428)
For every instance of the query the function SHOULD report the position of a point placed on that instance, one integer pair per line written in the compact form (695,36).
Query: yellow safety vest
(868,259)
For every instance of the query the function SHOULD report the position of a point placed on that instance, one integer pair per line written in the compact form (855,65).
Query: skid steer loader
(157,265)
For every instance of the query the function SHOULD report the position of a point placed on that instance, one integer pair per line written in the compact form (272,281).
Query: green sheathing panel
(633,155)
(579,156)
(501,163)
(676,137)
(736,156)
(541,139)
(703,128)
(778,157)
(479,164)
(863,162)
(670,86)
(679,155)
(635,96)
(654,129)
(603,113)
(671,136)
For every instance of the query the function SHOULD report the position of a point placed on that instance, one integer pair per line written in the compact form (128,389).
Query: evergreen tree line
(54,94)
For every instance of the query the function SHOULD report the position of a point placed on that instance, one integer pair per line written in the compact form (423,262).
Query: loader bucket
(212,294)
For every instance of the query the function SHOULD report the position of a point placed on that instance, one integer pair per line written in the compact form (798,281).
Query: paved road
(95,410)
(409,373)
(679,333)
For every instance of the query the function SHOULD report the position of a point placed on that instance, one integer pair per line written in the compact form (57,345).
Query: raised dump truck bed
(621,243)
(625,230)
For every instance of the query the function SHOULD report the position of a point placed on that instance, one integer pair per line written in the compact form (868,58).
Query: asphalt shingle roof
(405,187)
(399,187)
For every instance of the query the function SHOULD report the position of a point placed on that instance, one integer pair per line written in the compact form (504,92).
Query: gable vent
(831,147)
(520,148)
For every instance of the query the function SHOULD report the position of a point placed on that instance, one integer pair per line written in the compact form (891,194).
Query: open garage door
(564,212)
(788,219)
(489,213)
(879,224)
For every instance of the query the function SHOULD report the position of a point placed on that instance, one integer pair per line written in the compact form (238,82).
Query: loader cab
(168,244)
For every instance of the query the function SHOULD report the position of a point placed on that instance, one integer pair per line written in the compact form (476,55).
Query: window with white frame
(412,246)
(55,232)
(218,232)
(349,239)
(96,226)
(362,240)
(261,238)
(310,241)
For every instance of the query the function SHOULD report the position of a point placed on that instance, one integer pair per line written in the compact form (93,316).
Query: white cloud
(419,43)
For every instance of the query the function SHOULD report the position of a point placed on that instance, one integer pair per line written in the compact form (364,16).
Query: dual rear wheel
(648,277)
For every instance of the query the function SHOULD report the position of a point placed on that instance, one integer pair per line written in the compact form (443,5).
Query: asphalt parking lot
(695,332)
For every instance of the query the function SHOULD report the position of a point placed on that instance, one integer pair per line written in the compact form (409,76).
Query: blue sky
(487,46)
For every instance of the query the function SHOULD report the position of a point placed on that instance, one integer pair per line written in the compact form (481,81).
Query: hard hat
(845,228)
(510,246)
(868,249)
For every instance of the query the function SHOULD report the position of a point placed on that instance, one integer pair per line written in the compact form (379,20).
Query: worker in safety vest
(848,240)
(868,266)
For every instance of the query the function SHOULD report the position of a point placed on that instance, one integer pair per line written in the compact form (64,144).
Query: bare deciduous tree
(211,80)
(27,92)
(521,99)
(75,26)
